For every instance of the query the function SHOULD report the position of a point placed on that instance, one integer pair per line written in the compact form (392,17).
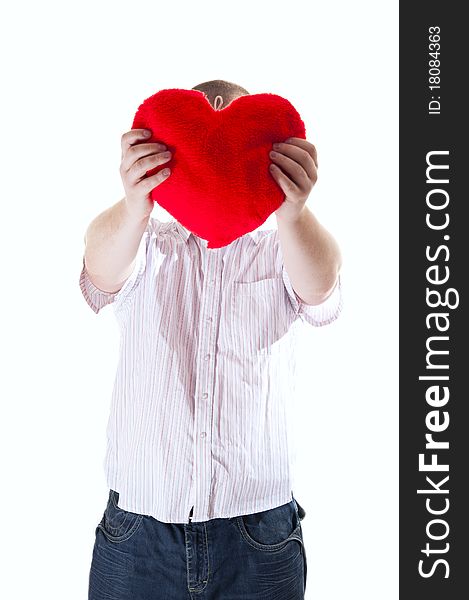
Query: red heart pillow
(220,186)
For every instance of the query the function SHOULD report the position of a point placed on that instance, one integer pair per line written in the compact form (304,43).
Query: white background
(73,77)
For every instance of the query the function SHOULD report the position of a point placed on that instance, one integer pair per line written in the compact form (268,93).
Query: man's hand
(311,255)
(294,168)
(137,158)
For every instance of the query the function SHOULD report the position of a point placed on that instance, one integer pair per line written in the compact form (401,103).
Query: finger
(134,153)
(147,184)
(301,156)
(139,168)
(293,169)
(132,137)
(288,186)
(308,146)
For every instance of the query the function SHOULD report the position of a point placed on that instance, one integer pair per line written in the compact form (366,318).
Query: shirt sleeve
(318,314)
(97,298)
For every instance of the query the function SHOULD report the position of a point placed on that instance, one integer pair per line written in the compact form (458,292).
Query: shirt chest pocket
(258,316)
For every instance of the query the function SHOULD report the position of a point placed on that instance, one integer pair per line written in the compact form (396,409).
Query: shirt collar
(185,233)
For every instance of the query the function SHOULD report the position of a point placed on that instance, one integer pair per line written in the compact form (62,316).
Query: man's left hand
(294,168)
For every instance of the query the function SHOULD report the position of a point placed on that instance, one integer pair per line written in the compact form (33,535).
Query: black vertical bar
(434,255)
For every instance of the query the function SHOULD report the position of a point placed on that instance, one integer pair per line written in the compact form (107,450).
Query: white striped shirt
(199,410)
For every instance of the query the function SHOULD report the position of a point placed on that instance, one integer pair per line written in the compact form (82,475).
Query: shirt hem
(258,508)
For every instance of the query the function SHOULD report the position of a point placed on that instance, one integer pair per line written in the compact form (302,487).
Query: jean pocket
(271,529)
(117,524)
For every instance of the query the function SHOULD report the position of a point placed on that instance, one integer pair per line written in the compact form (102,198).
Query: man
(197,462)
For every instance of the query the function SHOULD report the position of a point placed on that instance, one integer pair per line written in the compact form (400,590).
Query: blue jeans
(256,556)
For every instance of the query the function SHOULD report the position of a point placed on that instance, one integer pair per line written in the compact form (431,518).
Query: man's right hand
(138,158)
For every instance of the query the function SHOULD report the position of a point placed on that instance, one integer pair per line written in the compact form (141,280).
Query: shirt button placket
(205,378)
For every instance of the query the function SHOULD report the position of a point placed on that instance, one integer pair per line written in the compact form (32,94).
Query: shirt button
(203,434)
(205,395)
(207,356)
(209,319)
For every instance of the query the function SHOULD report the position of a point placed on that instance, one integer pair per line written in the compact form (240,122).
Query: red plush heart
(220,186)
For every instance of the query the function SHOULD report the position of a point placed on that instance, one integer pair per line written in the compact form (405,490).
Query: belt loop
(299,509)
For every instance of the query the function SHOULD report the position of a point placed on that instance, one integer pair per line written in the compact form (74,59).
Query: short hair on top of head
(219,87)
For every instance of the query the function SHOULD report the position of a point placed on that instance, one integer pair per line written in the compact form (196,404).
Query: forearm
(311,256)
(112,240)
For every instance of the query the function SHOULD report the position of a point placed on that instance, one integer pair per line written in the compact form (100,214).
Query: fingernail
(165,172)
(146,133)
